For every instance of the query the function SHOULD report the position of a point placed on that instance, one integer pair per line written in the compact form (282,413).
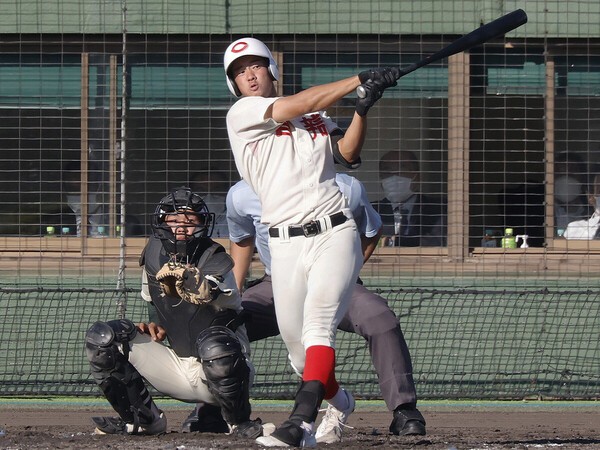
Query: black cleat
(251,429)
(205,418)
(289,434)
(408,422)
(115,425)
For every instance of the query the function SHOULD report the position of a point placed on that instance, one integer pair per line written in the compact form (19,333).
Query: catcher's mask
(182,200)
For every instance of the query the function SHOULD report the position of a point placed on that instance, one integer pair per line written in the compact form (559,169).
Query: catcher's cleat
(115,425)
(330,429)
(205,418)
(251,429)
(290,434)
(407,422)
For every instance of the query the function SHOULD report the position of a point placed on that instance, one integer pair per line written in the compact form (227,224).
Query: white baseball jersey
(244,214)
(290,166)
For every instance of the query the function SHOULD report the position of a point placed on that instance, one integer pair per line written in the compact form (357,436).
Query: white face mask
(74,202)
(396,188)
(566,189)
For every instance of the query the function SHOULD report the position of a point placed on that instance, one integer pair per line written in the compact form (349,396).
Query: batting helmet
(243,47)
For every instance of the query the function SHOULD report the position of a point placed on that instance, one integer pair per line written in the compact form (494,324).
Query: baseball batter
(285,148)
(188,279)
(368,314)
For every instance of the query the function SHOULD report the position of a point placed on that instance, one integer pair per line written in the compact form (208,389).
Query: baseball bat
(500,26)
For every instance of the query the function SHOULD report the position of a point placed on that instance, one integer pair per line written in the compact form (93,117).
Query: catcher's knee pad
(102,349)
(226,371)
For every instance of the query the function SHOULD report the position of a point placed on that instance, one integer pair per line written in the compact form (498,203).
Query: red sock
(320,365)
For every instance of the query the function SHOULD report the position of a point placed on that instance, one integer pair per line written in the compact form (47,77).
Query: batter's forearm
(316,98)
(351,144)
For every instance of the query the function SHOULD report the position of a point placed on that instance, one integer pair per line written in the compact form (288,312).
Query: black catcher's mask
(182,200)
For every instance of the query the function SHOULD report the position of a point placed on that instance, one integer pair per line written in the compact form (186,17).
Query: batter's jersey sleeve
(246,118)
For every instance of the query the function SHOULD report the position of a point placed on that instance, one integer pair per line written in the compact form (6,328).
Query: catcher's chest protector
(183,320)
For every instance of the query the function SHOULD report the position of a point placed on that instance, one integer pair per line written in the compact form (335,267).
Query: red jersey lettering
(284,130)
(314,125)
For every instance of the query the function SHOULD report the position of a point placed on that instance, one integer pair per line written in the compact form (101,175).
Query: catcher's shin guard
(118,379)
(226,371)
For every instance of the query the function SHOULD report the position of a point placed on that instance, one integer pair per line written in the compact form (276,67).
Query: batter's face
(182,224)
(251,76)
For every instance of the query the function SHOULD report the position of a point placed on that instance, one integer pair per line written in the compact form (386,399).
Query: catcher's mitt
(187,282)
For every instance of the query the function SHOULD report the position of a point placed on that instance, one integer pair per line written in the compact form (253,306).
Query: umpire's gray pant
(368,316)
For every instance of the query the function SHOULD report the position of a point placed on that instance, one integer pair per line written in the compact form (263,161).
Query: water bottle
(488,240)
(509,240)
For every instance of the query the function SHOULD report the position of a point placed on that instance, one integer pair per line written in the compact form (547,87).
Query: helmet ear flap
(233,87)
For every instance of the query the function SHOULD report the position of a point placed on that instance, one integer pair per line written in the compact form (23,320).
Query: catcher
(187,277)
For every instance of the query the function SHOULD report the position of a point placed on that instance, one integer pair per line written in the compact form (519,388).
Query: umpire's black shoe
(205,418)
(407,421)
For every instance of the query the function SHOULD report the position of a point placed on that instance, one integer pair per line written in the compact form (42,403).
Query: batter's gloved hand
(373,92)
(384,77)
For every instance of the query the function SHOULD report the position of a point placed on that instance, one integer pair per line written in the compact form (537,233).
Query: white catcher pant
(179,378)
(312,281)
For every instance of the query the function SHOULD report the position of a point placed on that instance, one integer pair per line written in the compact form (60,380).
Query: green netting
(478,342)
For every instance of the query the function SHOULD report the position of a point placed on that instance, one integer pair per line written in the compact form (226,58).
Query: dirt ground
(449,426)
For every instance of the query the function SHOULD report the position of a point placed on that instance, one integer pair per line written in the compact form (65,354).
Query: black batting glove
(374,93)
(384,77)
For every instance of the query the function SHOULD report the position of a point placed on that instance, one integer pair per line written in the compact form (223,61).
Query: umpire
(208,358)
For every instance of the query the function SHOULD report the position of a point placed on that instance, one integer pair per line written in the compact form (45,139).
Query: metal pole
(122,302)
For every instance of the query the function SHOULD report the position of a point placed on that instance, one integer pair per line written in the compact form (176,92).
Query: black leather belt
(311,228)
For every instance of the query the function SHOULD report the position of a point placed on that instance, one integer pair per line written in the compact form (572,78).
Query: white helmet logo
(239,47)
